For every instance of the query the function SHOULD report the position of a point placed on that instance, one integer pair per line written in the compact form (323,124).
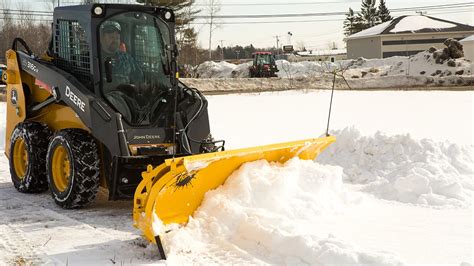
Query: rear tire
(73,168)
(28,144)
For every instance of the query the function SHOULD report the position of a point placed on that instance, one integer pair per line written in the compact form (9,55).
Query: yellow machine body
(56,116)
(176,188)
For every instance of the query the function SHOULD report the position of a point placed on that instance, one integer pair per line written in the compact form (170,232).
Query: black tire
(73,168)
(28,145)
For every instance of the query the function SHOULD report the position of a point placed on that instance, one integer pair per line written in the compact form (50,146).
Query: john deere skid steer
(104,108)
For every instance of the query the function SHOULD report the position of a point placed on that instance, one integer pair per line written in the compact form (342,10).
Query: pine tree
(186,36)
(182,8)
(351,23)
(384,13)
(368,14)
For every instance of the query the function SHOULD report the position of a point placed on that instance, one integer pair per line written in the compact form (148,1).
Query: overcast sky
(317,32)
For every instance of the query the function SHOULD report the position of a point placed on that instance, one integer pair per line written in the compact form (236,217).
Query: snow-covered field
(396,188)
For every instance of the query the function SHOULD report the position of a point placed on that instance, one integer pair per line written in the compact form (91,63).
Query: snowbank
(402,169)
(418,71)
(421,64)
(223,69)
(266,207)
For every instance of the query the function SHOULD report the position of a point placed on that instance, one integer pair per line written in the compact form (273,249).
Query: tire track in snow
(19,251)
(66,236)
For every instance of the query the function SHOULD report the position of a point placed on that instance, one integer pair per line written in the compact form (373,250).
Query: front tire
(28,145)
(73,168)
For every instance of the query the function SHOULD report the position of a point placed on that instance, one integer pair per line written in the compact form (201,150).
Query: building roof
(323,52)
(412,24)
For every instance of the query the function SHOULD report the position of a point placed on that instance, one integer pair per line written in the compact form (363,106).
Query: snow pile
(424,64)
(402,169)
(265,213)
(303,69)
(421,65)
(211,69)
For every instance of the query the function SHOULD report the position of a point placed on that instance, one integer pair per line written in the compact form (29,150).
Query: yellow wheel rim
(61,168)
(20,158)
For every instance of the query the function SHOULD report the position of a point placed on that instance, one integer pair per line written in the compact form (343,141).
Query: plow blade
(176,188)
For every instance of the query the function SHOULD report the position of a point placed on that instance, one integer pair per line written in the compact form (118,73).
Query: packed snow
(416,23)
(399,196)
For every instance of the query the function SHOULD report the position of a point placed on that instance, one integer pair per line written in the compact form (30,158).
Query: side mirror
(108,69)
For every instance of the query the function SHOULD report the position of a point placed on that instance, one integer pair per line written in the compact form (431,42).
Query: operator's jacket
(125,70)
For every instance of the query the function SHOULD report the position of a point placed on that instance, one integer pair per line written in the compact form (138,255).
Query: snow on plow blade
(176,188)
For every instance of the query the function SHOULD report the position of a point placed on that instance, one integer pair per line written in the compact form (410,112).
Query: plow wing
(176,188)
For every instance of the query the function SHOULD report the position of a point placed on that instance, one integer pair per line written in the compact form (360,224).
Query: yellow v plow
(176,188)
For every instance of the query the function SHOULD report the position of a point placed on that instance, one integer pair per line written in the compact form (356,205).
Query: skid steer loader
(103,107)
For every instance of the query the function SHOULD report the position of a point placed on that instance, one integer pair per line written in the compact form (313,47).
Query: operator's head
(110,36)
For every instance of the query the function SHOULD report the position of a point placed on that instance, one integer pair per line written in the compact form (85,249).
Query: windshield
(264,59)
(135,74)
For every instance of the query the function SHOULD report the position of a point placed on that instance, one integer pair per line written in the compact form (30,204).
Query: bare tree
(23,24)
(212,8)
(300,46)
(331,45)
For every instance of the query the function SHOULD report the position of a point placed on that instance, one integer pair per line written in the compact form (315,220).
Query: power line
(461,10)
(267,22)
(459,6)
(338,13)
(396,10)
(283,4)
(452,12)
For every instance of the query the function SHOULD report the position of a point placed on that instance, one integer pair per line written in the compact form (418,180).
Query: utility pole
(222,49)
(278,40)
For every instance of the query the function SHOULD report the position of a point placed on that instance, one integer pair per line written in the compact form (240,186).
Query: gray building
(403,36)
(468,47)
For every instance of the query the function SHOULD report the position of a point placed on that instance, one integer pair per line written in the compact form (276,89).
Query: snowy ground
(396,188)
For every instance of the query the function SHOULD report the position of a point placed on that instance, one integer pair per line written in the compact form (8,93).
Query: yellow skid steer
(103,107)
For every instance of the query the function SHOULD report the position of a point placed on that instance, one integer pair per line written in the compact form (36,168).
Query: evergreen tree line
(369,16)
